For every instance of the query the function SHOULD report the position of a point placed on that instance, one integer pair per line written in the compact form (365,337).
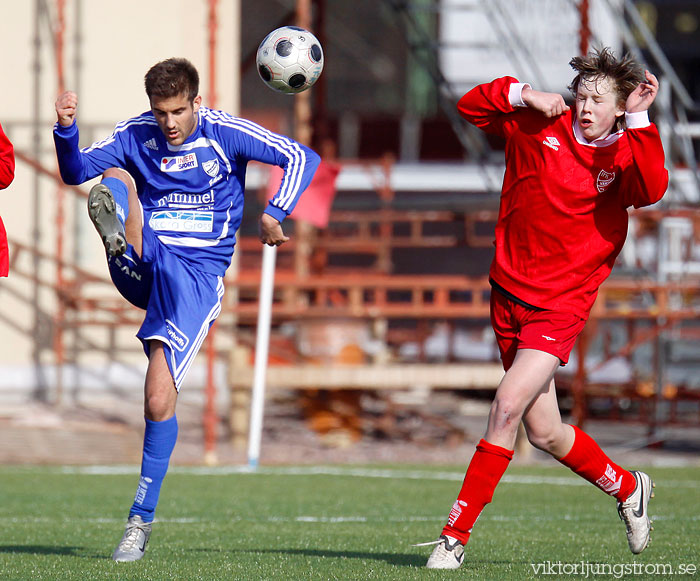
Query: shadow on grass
(50,550)
(391,558)
(403,560)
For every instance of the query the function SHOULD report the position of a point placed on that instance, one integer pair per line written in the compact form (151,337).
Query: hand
(551,104)
(66,108)
(271,231)
(643,96)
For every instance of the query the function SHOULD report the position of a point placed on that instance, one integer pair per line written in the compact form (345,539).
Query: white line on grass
(349,471)
(324,519)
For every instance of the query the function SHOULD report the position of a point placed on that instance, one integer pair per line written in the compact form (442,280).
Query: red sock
(590,462)
(485,470)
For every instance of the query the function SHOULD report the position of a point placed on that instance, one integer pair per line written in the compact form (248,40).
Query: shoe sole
(103,213)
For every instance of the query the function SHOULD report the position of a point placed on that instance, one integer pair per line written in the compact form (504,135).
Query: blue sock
(158,443)
(121,197)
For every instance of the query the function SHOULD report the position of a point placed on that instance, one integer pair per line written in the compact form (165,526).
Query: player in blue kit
(167,209)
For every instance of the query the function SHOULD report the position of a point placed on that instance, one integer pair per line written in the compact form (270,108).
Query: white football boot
(103,212)
(634,512)
(133,544)
(447,554)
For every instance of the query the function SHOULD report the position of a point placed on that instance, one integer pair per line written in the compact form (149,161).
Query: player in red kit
(7,174)
(570,176)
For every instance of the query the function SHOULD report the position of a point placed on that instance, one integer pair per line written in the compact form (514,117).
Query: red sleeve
(645,181)
(7,160)
(4,251)
(487,106)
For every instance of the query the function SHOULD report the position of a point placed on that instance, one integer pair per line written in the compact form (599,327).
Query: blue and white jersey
(192,194)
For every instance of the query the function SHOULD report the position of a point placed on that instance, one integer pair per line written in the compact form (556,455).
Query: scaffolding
(655,306)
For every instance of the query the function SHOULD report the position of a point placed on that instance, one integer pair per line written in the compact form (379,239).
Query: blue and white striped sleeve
(299,162)
(77,166)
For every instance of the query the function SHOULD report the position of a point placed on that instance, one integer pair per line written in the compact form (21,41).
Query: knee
(158,407)
(547,440)
(120,174)
(505,413)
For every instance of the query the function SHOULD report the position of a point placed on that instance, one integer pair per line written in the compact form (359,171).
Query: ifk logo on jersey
(604,180)
(211,167)
(178,163)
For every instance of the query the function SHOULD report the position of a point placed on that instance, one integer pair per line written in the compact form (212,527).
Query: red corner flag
(315,203)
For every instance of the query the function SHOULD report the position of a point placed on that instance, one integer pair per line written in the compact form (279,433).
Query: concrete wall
(108,47)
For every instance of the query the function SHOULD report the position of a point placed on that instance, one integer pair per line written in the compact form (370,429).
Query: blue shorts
(181,302)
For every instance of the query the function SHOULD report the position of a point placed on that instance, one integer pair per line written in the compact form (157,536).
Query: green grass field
(333,523)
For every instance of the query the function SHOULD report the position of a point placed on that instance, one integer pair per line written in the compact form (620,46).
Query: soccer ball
(290,59)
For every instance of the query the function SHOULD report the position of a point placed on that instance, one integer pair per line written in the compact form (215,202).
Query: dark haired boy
(167,209)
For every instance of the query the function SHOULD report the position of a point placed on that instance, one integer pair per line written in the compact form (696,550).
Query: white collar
(600,142)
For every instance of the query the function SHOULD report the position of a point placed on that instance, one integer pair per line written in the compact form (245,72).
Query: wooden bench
(375,377)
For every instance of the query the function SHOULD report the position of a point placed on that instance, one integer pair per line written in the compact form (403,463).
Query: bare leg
(544,427)
(529,376)
(160,393)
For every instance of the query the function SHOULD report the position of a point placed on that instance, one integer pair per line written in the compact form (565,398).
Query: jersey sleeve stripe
(296,156)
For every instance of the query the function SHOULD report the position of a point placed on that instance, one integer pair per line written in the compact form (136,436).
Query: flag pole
(262,342)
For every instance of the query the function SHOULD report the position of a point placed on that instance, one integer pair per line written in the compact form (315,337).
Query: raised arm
(549,104)
(66,108)
(643,96)
(646,180)
(78,166)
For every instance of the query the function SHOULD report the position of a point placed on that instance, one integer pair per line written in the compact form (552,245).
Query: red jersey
(7,174)
(563,214)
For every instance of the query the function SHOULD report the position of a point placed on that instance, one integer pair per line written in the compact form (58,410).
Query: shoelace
(629,505)
(429,543)
(131,537)
(442,539)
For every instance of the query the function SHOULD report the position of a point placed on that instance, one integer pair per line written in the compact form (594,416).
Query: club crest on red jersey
(604,180)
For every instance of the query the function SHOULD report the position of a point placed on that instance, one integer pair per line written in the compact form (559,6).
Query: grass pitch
(336,523)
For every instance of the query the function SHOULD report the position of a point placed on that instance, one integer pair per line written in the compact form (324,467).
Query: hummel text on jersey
(186,201)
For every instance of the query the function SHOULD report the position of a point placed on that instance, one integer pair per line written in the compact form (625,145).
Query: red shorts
(518,327)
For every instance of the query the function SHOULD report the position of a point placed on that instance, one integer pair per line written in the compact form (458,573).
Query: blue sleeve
(253,142)
(298,174)
(77,166)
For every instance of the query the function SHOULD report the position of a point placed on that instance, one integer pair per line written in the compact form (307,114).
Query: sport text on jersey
(178,163)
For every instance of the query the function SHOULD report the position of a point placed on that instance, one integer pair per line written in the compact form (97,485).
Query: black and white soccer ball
(290,59)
